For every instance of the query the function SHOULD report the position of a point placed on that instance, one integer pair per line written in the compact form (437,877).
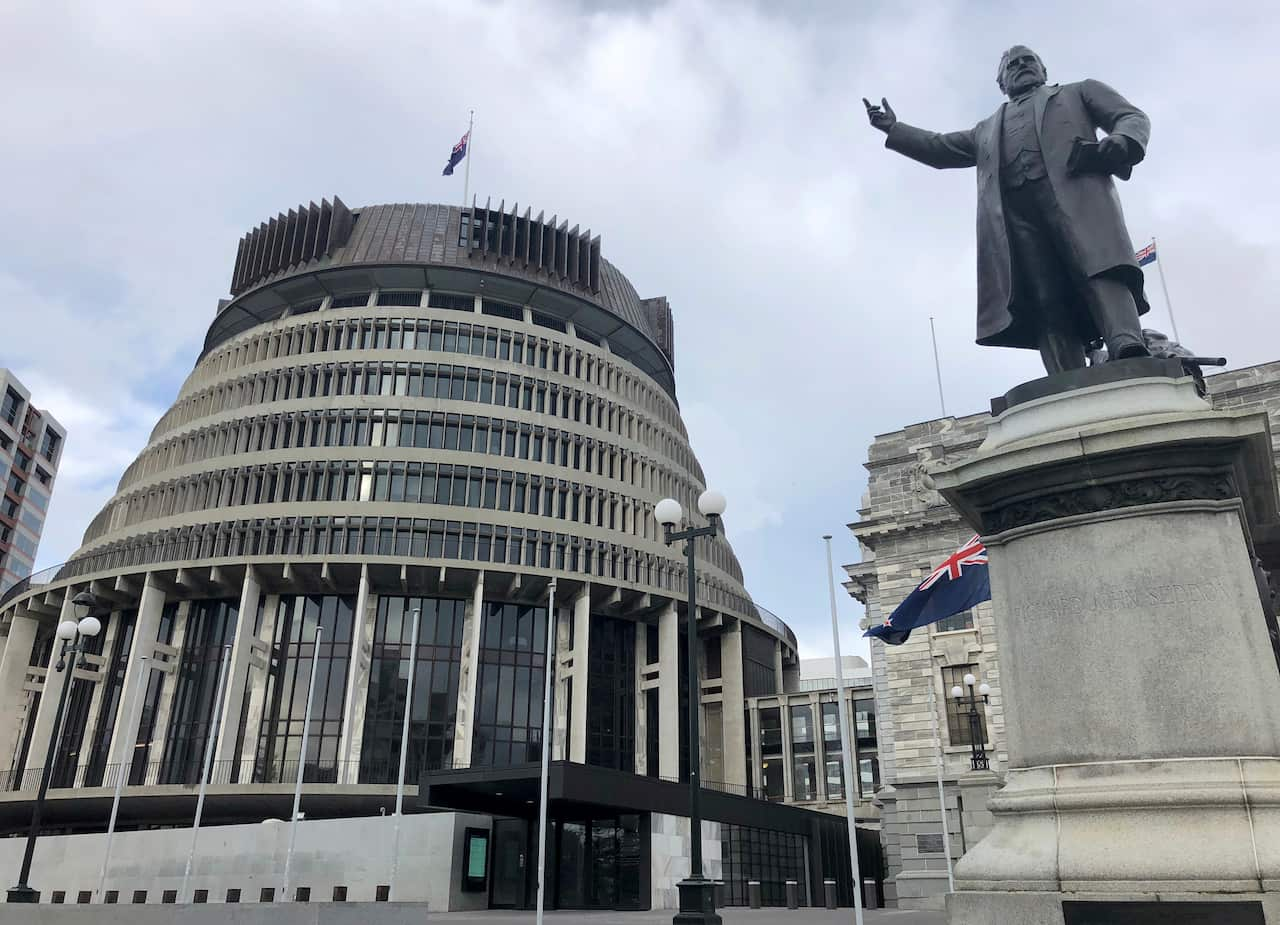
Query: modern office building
(905,529)
(31,444)
(408,415)
(798,746)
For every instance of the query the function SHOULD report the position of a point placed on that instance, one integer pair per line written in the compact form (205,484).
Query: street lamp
(697,894)
(979,759)
(74,635)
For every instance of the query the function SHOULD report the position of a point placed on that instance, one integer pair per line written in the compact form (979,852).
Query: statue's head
(1020,70)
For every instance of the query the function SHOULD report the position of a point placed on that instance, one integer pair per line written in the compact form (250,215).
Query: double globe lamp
(697,894)
(75,635)
(976,743)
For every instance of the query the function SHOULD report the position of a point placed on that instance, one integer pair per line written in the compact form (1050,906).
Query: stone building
(407,415)
(904,530)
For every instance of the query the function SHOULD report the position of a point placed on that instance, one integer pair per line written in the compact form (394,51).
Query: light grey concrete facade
(905,529)
(377,428)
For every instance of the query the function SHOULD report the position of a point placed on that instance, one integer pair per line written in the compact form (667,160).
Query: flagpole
(546,747)
(942,794)
(144,677)
(1165,286)
(466,176)
(404,754)
(937,367)
(209,744)
(302,764)
(847,740)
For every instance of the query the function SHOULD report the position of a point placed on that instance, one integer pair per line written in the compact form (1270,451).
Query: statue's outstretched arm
(940,150)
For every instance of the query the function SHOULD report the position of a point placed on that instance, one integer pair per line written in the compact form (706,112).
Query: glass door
(510,844)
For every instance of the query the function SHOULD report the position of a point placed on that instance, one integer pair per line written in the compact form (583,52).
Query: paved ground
(733,916)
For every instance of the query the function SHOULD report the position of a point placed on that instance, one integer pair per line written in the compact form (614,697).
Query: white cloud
(719,148)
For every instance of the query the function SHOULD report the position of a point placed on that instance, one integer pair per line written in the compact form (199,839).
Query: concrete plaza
(732,916)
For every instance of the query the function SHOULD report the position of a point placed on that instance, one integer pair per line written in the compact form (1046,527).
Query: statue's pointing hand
(882,116)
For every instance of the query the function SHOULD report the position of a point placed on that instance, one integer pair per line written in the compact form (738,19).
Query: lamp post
(697,894)
(979,759)
(74,635)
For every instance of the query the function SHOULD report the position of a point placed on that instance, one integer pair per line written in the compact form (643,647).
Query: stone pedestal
(1142,689)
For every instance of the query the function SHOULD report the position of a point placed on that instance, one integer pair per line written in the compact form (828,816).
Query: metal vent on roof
(306,233)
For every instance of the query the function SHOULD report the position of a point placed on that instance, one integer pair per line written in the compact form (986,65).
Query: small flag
(457,154)
(1146,255)
(960,582)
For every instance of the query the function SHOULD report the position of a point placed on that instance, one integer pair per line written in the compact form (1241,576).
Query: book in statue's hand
(1087,157)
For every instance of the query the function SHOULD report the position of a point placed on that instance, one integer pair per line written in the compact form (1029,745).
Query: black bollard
(793,895)
(753,894)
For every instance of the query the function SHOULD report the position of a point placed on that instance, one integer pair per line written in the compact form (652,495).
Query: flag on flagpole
(457,154)
(1146,255)
(960,582)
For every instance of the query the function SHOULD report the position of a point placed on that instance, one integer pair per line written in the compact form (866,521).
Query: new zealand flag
(960,582)
(457,154)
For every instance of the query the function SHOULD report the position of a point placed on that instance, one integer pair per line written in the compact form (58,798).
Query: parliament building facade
(405,412)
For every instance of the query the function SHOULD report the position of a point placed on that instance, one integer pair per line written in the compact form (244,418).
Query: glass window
(960,621)
(758,676)
(435,687)
(771,752)
(211,626)
(508,715)
(611,699)
(864,716)
(804,778)
(869,775)
(958,718)
(835,778)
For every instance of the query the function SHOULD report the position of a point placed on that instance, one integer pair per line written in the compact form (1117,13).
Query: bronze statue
(1055,264)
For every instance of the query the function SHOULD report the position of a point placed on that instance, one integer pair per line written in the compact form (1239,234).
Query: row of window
(400,483)
(352,332)
(422,429)
(404,537)
(429,380)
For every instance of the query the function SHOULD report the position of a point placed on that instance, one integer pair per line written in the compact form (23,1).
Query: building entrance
(598,862)
(510,864)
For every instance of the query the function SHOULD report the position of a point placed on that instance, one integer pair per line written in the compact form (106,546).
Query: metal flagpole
(209,744)
(404,752)
(1165,286)
(124,770)
(847,740)
(466,176)
(302,764)
(937,367)
(546,746)
(942,795)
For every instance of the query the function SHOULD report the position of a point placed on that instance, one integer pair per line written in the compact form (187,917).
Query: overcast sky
(720,149)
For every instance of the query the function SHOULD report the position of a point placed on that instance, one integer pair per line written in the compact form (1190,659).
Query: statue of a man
(1055,264)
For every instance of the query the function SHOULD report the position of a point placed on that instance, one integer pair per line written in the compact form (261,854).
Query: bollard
(829,887)
(753,894)
(870,895)
(793,895)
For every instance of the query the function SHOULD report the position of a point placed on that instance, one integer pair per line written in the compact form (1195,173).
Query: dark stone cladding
(416,245)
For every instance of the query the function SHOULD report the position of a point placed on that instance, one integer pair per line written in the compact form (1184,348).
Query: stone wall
(355,853)
(904,530)
(669,857)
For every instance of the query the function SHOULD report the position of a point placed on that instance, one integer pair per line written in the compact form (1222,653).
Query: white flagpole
(209,744)
(937,367)
(942,795)
(123,771)
(847,740)
(546,746)
(466,176)
(302,764)
(1165,286)
(404,753)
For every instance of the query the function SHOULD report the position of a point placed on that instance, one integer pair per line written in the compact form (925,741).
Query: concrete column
(777,667)
(96,674)
(14,662)
(145,630)
(357,696)
(669,692)
(259,667)
(788,781)
(53,682)
(242,647)
(578,716)
(641,721)
(757,756)
(819,747)
(160,734)
(735,734)
(472,627)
